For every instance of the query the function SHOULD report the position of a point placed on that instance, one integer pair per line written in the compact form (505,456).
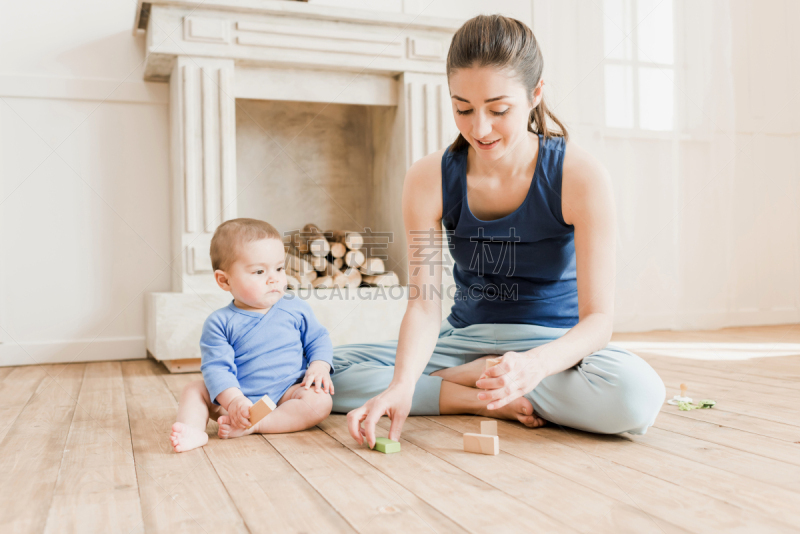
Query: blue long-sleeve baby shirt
(261,354)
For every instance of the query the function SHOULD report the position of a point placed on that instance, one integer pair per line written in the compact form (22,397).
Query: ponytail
(538,122)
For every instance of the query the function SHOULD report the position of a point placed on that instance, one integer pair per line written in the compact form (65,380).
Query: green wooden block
(386,445)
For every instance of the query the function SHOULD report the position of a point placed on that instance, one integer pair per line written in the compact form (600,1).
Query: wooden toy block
(261,409)
(489,428)
(386,445)
(480,444)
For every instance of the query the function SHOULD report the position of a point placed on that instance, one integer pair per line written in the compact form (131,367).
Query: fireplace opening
(312,162)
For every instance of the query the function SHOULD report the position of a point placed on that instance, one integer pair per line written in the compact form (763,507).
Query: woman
(531,227)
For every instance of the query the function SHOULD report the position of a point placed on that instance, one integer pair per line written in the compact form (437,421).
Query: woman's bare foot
(520,410)
(185,438)
(227,431)
(466,374)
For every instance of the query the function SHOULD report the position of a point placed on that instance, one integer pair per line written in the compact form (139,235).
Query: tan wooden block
(489,428)
(261,409)
(480,444)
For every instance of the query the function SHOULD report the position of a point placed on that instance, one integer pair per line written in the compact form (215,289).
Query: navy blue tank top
(519,268)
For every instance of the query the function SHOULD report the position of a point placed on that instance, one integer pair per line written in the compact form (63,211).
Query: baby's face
(257,277)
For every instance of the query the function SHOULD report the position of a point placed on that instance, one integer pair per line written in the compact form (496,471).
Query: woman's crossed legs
(609,392)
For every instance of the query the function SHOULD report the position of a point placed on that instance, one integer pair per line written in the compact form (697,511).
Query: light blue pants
(608,392)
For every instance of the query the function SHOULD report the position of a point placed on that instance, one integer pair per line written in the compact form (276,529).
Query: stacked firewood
(317,259)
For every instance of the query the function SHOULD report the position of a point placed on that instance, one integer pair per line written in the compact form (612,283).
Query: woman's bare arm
(588,205)
(419,330)
(422,216)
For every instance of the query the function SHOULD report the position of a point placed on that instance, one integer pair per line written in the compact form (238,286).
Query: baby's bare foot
(226,430)
(520,410)
(185,438)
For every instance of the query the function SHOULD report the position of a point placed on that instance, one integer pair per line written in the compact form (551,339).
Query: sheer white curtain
(648,87)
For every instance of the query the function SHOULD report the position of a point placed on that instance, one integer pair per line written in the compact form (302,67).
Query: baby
(263,342)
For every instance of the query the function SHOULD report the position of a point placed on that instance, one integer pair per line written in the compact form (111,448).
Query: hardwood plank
(758,497)
(466,500)
(5,371)
(96,490)
(17,389)
(731,437)
(31,453)
(746,464)
(788,333)
(691,509)
(699,389)
(685,508)
(366,498)
(741,402)
(745,423)
(694,377)
(732,376)
(178,492)
(561,498)
(265,488)
(784,369)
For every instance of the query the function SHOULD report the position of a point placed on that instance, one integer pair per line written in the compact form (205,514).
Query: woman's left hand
(515,375)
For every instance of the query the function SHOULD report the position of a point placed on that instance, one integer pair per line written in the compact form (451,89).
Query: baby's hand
(319,373)
(239,412)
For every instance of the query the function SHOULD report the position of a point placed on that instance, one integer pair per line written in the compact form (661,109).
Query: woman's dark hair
(508,44)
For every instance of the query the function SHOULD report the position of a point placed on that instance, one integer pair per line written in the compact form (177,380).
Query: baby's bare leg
(304,409)
(466,374)
(298,409)
(194,410)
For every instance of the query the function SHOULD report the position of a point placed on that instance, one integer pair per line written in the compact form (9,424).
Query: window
(639,64)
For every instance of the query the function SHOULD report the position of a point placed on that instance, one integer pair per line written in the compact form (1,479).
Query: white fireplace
(292,113)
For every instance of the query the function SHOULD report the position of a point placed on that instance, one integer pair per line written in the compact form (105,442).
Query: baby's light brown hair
(231,234)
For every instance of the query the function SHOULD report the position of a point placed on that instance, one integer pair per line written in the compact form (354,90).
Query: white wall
(84,175)
(765,258)
(709,230)
(84,183)
(454,9)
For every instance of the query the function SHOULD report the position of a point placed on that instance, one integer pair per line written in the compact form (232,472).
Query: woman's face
(491,109)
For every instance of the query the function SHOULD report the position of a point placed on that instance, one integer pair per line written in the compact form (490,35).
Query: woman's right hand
(394,402)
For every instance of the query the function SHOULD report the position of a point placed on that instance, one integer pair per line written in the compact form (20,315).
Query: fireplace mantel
(280,33)
(212,53)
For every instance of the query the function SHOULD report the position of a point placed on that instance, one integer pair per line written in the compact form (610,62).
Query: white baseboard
(704,320)
(83,350)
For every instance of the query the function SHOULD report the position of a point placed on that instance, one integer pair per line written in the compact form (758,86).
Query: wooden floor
(84,448)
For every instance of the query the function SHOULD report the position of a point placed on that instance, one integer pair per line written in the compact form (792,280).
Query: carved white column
(429,126)
(203,133)
(429,117)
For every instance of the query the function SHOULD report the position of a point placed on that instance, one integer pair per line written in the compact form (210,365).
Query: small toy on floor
(386,445)
(686,406)
(677,399)
(480,444)
(486,442)
(684,403)
(489,428)
(261,409)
